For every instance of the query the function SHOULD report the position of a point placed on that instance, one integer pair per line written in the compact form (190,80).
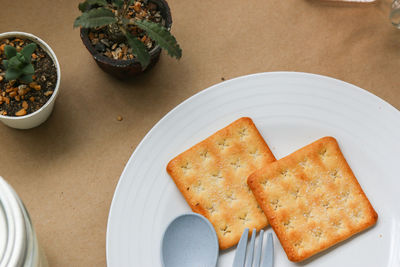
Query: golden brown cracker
(212,176)
(312,199)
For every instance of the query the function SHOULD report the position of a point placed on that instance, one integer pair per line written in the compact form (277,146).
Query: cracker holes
(244,218)
(275,204)
(236,164)
(265,183)
(288,224)
(298,244)
(338,225)
(326,204)
(255,154)
(186,167)
(205,155)
(225,230)
(217,177)
(296,193)
(357,215)
(211,209)
(323,155)
(334,174)
(285,173)
(317,233)
(243,133)
(315,183)
(345,195)
(223,144)
(305,163)
(230,197)
(198,188)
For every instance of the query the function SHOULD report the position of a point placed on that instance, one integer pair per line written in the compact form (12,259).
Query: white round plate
(290,110)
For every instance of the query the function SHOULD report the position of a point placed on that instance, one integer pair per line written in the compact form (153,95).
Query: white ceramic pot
(18,243)
(39,116)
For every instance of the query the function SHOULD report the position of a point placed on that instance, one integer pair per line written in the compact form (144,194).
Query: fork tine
(249,257)
(268,260)
(241,250)
(257,254)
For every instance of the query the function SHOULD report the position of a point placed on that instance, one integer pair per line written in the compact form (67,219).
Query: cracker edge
(198,209)
(252,180)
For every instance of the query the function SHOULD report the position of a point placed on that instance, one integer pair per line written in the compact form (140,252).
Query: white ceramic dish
(290,110)
(41,115)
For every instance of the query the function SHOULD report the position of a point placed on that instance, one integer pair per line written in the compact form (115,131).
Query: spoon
(189,240)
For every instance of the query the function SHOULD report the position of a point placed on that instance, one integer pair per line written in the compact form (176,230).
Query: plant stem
(126,7)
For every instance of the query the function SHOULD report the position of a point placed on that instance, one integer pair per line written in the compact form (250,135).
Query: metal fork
(240,256)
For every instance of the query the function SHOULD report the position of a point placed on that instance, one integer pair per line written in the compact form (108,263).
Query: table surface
(66,170)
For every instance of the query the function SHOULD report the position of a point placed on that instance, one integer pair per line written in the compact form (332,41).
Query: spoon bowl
(189,240)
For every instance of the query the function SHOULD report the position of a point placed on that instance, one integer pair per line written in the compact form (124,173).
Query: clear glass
(18,242)
(395,13)
(34,256)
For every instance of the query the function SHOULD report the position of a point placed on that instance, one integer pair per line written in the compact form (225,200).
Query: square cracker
(312,199)
(212,176)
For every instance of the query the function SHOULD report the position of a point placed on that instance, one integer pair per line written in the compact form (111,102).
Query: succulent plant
(18,64)
(99,13)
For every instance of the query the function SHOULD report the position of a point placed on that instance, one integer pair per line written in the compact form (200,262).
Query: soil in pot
(18,98)
(113,44)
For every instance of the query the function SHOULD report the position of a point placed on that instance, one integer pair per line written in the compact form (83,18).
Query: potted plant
(29,80)
(125,37)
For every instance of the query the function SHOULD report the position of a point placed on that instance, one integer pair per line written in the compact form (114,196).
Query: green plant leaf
(10,51)
(28,50)
(12,74)
(95,18)
(118,3)
(26,78)
(85,6)
(161,36)
(14,63)
(22,59)
(139,50)
(5,63)
(28,69)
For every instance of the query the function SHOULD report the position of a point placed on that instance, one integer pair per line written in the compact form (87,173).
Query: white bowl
(39,116)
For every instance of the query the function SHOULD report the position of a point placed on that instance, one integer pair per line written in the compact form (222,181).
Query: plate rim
(390,107)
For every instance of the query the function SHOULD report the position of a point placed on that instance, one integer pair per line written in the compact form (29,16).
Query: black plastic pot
(127,68)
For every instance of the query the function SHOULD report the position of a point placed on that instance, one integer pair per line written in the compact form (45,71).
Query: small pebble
(48,93)
(100,47)
(21,112)
(25,105)
(105,42)
(22,89)
(119,118)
